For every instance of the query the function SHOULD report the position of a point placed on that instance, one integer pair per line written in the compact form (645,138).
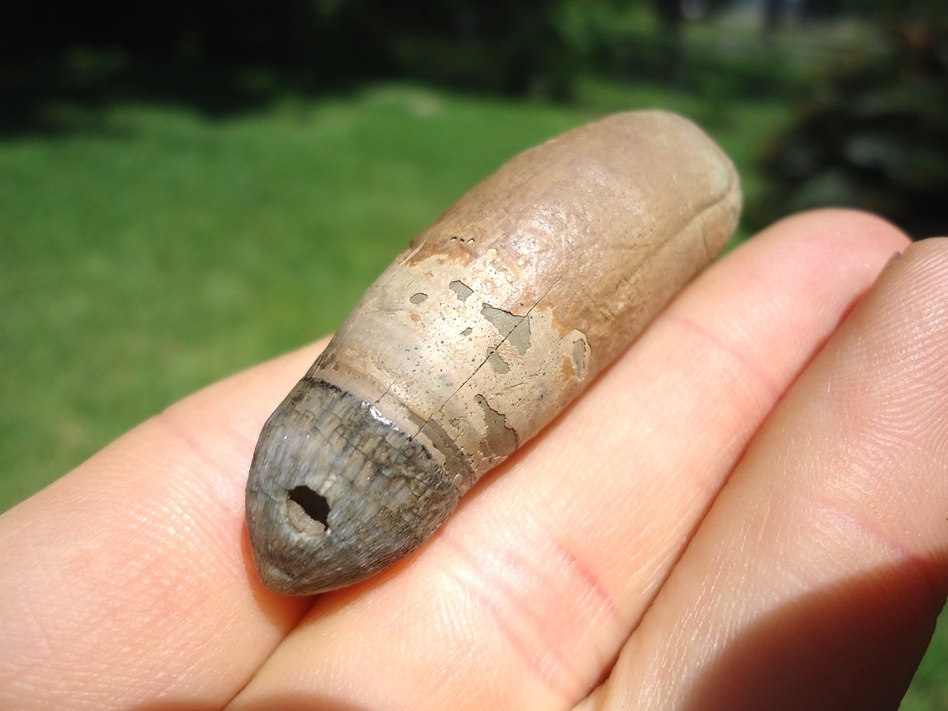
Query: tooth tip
(336,493)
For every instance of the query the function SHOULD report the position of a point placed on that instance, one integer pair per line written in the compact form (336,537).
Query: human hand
(738,514)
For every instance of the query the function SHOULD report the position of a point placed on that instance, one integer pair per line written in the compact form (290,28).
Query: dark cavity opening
(307,510)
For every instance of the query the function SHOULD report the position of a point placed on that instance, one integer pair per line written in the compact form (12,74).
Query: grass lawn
(155,250)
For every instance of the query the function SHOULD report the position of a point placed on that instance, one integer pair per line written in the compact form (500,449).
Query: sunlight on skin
(594,543)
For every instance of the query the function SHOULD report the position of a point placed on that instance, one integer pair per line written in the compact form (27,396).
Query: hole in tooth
(307,510)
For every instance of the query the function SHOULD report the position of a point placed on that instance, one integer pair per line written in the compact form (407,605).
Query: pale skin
(748,510)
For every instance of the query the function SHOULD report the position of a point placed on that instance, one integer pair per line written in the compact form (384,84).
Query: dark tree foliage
(670,12)
(176,49)
(873,136)
(198,52)
(217,32)
(511,46)
(671,17)
(774,12)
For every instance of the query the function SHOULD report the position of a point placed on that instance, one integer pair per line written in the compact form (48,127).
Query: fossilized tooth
(491,322)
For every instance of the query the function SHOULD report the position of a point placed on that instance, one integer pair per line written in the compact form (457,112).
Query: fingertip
(845,225)
(828,244)
(926,265)
(906,303)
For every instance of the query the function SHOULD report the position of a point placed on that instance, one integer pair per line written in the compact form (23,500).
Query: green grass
(929,689)
(153,250)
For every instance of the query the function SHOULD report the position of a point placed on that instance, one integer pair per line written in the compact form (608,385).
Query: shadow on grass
(71,93)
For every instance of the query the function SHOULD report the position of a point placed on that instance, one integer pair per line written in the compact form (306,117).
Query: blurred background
(188,187)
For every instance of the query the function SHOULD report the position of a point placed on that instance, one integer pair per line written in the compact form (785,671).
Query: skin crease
(748,510)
